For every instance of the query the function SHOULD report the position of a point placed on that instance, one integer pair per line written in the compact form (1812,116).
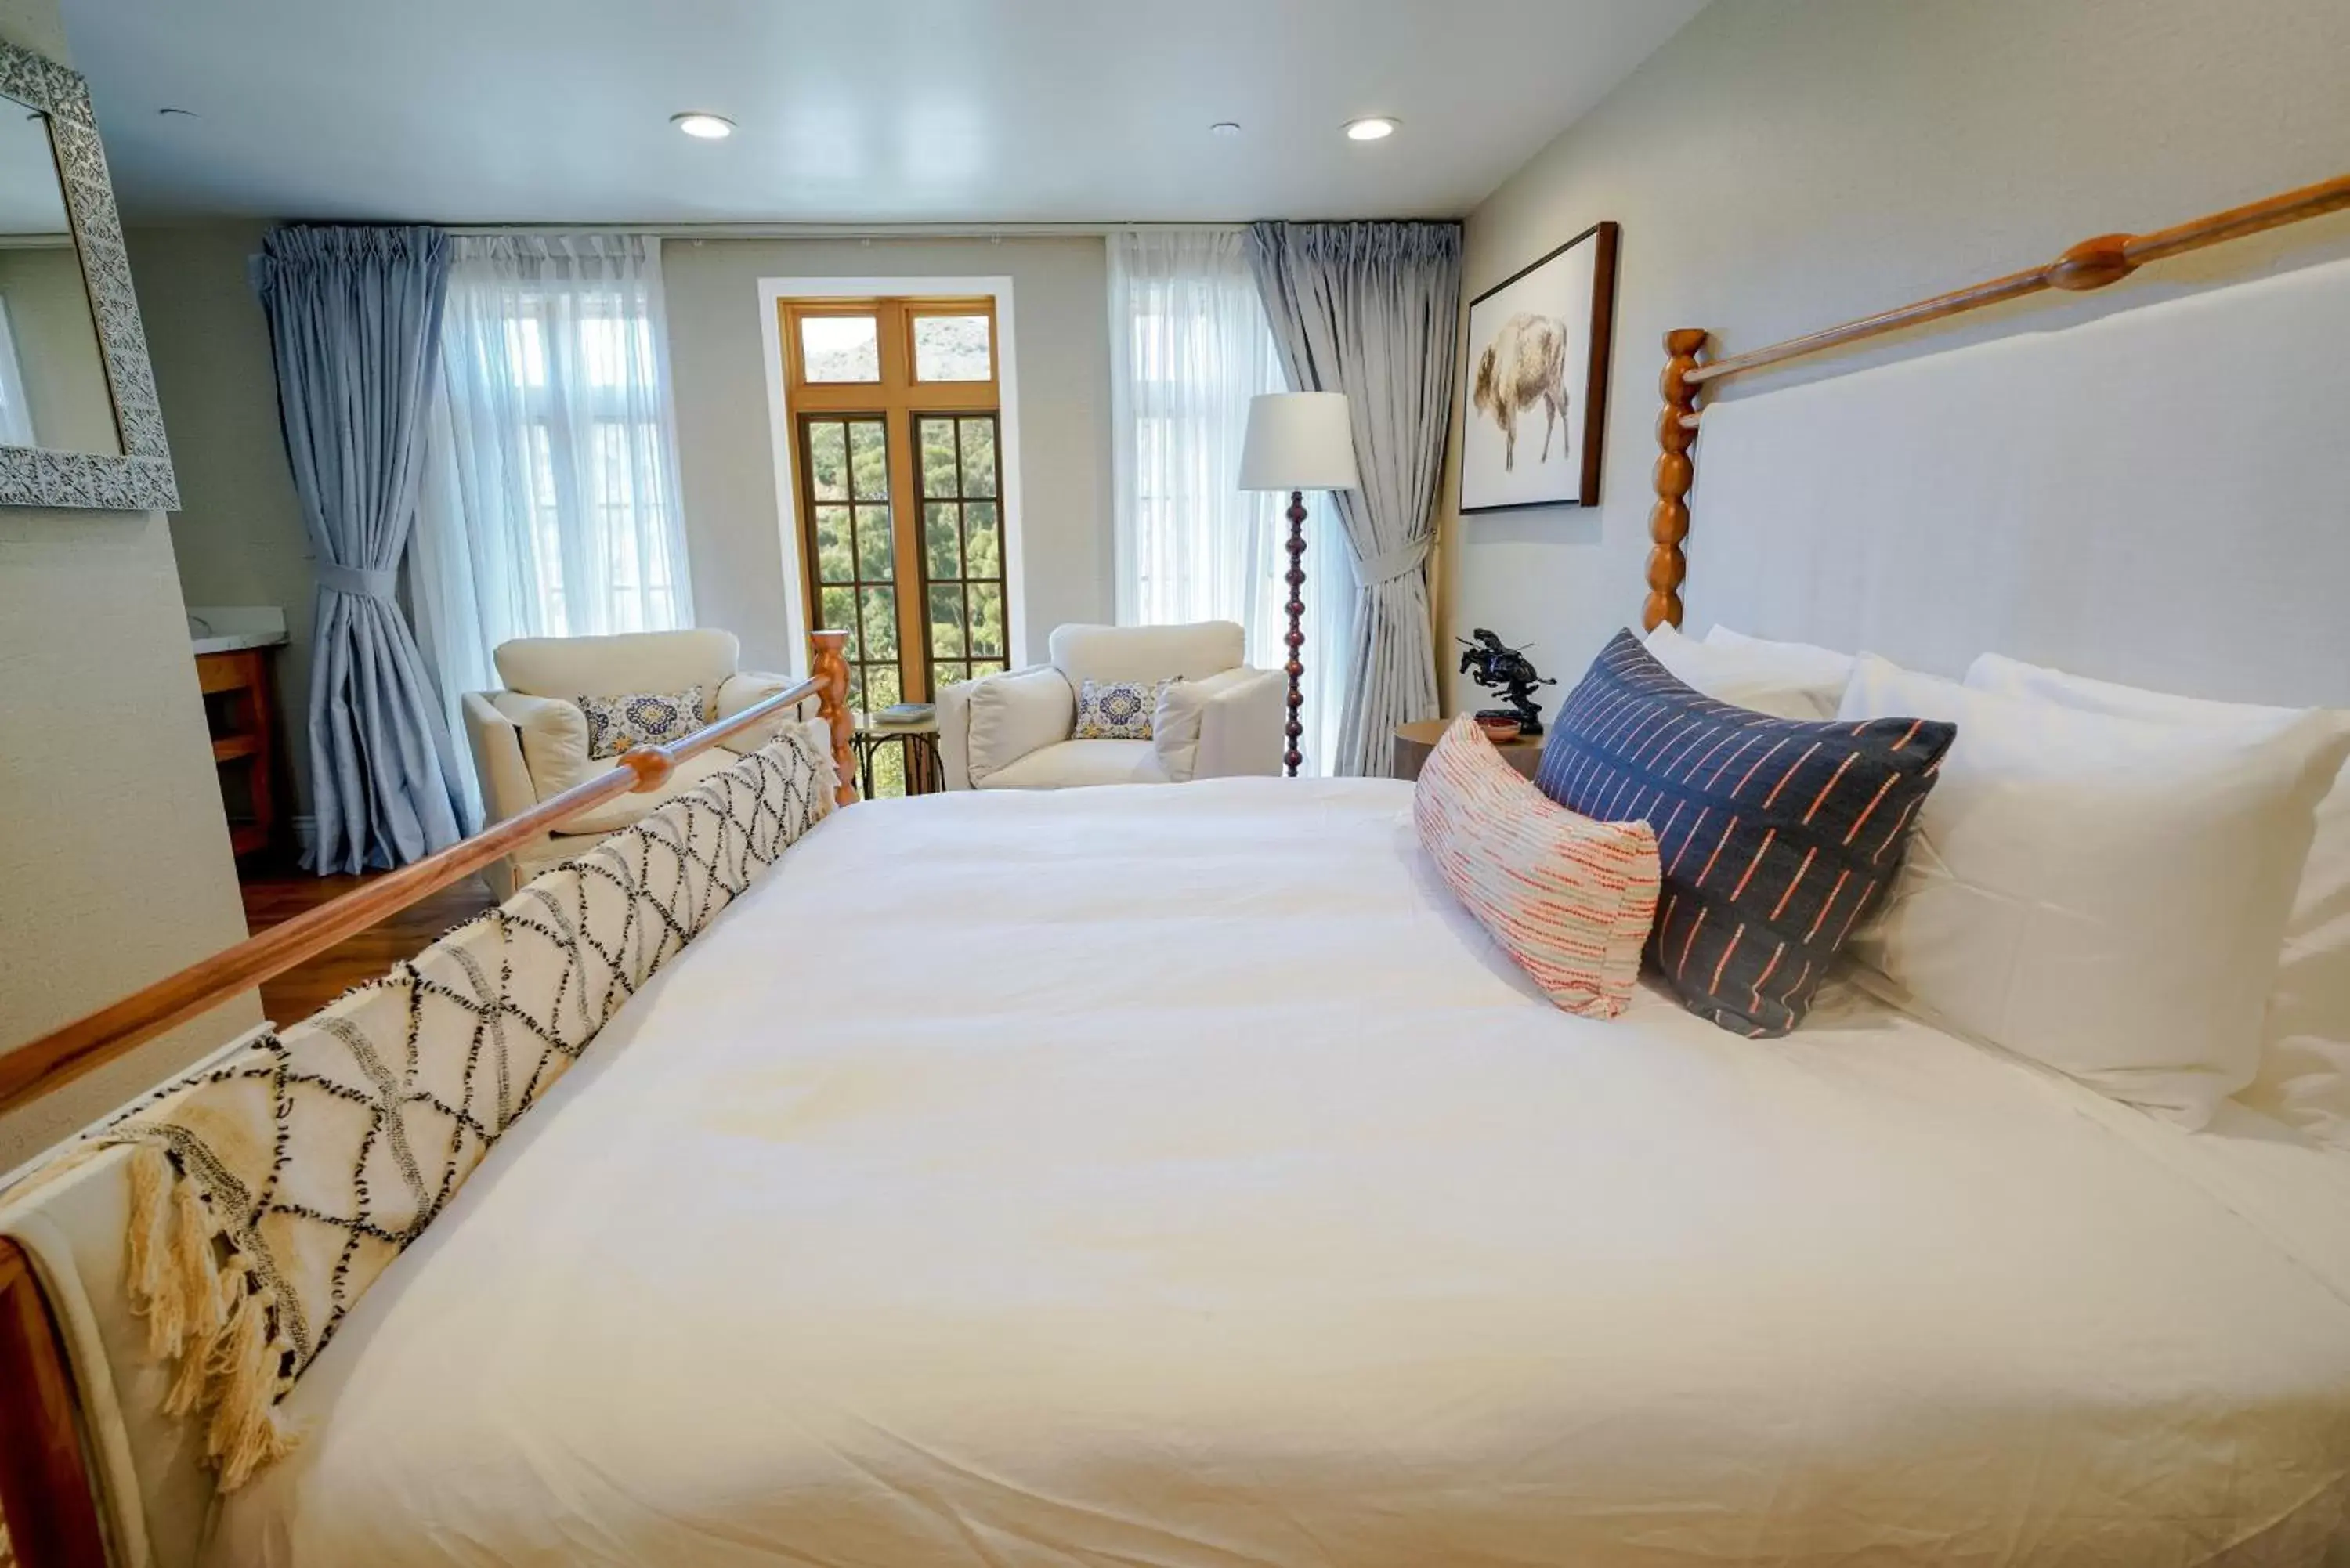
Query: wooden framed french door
(896,419)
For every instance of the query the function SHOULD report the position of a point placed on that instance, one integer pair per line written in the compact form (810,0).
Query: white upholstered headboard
(2160,495)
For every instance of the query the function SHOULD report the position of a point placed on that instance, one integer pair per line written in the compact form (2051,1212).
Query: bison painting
(1525,363)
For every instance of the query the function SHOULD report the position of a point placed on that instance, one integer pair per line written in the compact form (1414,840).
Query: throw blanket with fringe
(270,1188)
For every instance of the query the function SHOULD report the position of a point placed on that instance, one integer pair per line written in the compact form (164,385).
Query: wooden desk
(1414,741)
(241,709)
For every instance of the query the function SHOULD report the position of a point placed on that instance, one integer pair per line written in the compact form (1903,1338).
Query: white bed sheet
(1177,1176)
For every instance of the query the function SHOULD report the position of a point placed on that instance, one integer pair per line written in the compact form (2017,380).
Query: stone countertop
(231,628)
(237,641)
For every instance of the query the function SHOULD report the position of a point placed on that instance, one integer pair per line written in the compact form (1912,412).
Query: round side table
(1413,743)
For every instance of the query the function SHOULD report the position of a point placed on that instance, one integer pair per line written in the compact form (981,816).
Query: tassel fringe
(207,1318)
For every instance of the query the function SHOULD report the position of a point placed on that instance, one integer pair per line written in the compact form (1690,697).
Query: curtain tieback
(359,582)
(1388,566)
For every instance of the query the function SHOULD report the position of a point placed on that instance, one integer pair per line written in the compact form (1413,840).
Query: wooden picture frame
(1537,351)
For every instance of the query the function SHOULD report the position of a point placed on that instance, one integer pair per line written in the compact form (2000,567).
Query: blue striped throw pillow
(1774,836)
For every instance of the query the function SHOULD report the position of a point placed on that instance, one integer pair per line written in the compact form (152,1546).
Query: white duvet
(1177,1176)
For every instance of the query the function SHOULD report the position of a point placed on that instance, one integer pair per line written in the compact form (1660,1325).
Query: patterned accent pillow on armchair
(1776,835)
(1117,710)
(616,725)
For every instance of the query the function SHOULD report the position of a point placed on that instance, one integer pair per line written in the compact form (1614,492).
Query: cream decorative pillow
(615,724)
(1117,710)
(1568,898)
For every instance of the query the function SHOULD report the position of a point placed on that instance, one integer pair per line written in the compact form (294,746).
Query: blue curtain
(1373,310)
(354,322)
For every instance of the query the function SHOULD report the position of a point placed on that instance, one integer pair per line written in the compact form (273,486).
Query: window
(953,348)
(548,506)
(896,420)
(963,547)
(570,373)
(840,348)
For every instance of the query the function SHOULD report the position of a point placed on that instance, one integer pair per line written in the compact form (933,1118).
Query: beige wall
(56,348)
(239,527)
(1780,167)
(1061,347)
(114,859)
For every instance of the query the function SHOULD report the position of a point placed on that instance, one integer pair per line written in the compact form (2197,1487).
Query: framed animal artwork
(1538,380)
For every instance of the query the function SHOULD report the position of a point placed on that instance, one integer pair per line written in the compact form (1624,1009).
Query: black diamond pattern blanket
(271,1188)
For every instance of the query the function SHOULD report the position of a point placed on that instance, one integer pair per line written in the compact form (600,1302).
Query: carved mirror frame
(141,478)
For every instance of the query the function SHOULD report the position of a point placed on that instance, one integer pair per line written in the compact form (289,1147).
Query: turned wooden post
(1668,519)
(830,653)
(1296,668)
(47,1495)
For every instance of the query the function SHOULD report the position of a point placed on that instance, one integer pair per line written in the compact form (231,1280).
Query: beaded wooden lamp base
(1295,607)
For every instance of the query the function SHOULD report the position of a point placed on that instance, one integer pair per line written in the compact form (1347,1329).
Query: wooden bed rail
(2090,264)
(32,1070)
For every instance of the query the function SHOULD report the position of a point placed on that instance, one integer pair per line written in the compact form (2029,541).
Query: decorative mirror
(79,420)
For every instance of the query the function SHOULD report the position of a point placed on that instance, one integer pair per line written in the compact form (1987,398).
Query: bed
(1183,1177)
(1227,1196)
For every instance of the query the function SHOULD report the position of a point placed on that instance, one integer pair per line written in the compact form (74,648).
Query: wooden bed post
(47,1498)
(1668,519)
(829,653)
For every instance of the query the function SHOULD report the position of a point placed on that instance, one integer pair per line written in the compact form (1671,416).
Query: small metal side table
(918,746)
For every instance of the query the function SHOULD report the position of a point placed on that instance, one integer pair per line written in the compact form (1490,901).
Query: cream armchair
(1015,730)
(530,740)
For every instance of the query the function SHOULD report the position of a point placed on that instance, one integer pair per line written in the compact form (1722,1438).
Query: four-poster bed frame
(46,1473)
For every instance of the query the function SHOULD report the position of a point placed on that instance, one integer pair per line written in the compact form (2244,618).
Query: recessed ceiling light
(1227,129)
(708,127)
(1371,128)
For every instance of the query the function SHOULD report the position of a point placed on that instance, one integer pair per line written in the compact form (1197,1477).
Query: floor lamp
(1297,442)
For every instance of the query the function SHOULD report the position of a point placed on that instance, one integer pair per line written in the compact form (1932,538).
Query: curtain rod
(945,231)
(833,231)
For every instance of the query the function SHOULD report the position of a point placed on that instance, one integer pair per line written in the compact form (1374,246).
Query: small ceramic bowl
(1498,730)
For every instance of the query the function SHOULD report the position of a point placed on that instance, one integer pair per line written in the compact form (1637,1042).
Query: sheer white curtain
(551,502)
(1189,345)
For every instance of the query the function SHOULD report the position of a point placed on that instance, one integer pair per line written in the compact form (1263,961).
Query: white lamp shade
(1298,440)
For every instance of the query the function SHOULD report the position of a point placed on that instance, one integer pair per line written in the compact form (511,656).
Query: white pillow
(1742,679)
(2100,894)
(1822,669)
(2304,1072)
(1016,713)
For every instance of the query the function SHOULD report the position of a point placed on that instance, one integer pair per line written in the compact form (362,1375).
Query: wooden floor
(274,896)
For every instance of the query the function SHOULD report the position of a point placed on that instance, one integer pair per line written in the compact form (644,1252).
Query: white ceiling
(851,111)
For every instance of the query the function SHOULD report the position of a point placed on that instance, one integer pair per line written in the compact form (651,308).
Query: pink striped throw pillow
(1570,899)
